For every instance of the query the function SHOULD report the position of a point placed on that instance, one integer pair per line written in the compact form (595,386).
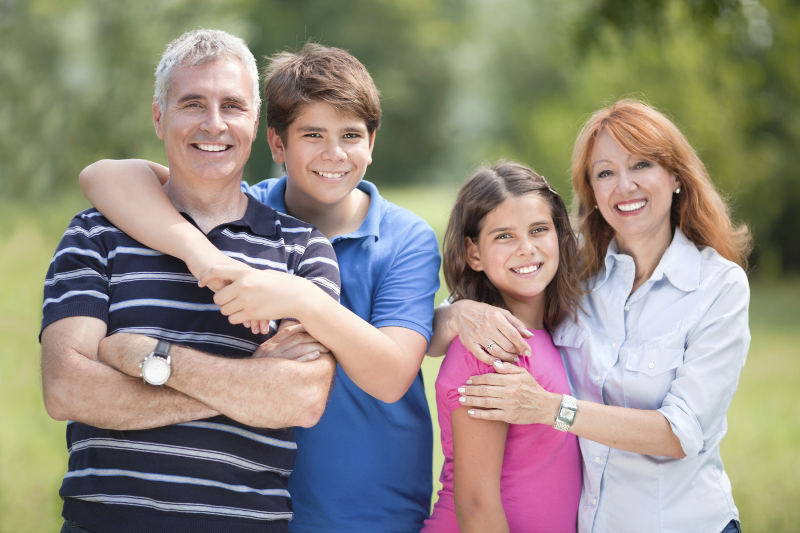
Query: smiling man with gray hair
(179,421)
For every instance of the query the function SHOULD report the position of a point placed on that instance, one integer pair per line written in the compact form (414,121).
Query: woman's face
(633,193)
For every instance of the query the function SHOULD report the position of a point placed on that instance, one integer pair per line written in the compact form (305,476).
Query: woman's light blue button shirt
(676,345)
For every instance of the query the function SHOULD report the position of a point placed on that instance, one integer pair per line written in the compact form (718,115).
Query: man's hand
(125,352)
(291,342)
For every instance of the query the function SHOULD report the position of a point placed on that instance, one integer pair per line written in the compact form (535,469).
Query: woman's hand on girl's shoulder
(489,333)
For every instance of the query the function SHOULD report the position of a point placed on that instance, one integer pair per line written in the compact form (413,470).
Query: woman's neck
(646,254)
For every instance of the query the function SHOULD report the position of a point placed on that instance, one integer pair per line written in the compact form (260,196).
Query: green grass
(761,451)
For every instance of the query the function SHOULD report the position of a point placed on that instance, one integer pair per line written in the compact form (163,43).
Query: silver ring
(489,346)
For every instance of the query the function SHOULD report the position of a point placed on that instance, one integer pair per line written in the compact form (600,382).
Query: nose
(626,181)
(526,246)
(334,152)
(213,122)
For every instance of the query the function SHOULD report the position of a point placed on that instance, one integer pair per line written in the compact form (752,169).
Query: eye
(642,164)
(540,229)
(502,236)
(313,135)
(604,173)
(352,135)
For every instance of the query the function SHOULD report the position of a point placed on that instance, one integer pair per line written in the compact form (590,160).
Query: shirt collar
(680,263)
(369,228)
(259,218)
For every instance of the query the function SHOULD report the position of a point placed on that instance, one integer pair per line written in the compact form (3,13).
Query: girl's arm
(478,325)
(513,395)
(129,193)
(478,447)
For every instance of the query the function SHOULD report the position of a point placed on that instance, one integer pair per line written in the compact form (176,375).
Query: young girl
(508,243)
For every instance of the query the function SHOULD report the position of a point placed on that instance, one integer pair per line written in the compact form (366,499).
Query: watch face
(156,370)
(567,415)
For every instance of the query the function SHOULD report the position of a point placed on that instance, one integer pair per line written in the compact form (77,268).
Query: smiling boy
(366,466)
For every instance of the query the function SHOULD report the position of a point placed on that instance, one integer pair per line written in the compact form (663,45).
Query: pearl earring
(678,190)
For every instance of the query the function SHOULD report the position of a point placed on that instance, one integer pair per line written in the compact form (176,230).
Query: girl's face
(517,249)
(633,193)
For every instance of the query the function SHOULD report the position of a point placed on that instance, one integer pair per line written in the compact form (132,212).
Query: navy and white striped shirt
(206,475)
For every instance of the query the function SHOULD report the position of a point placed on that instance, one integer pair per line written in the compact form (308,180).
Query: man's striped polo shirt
(206,475)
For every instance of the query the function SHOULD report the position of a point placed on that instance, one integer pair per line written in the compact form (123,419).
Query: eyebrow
(532,224)
(318,129)
(193,96)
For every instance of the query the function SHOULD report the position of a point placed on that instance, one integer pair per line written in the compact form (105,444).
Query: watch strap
(162,348)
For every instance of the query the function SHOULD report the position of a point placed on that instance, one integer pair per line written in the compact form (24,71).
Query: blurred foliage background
(462,81)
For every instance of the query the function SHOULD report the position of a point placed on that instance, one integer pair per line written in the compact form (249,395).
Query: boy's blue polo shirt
(366,466)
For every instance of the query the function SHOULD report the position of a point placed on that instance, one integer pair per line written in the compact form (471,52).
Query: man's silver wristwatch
(157,366)
(566,413)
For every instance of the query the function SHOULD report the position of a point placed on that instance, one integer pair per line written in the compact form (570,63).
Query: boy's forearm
(383,362)
(129,193)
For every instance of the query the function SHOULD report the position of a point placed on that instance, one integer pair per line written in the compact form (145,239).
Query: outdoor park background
(463,82)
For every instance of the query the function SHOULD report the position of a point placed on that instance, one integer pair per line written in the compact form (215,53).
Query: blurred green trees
(463,82)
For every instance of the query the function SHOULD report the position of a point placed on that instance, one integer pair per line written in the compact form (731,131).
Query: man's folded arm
(77,386)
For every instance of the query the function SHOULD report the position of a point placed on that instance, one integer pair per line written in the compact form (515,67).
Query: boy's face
(326,154)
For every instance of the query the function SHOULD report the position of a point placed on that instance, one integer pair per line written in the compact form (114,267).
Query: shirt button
(597,379)
(651,365)
(594,501)
(613,344)
(597,460)
(627,307)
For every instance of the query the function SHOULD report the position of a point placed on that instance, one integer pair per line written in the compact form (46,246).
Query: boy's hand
(251,295)
(291,342)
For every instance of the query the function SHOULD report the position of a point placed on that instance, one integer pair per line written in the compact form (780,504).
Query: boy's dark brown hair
(319,74)
(484,191)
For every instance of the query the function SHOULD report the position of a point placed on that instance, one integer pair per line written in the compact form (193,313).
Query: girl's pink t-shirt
(540,481)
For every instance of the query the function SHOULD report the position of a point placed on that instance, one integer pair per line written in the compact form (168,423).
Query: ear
(276,145)
(157,119)
(473,254)
(371,146)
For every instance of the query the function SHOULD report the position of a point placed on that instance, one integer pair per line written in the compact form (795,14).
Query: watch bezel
(158,360)
(565,416)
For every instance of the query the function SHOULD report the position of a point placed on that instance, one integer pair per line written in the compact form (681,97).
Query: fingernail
(471,412)
(469,382)
(498,363)
(462,399)
(462,390)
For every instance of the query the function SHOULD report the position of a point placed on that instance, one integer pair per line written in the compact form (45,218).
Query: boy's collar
(369,227)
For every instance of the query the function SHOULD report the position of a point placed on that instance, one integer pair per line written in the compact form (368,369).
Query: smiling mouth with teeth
(212,147)
(626,208)
(528,269)
(330,175)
